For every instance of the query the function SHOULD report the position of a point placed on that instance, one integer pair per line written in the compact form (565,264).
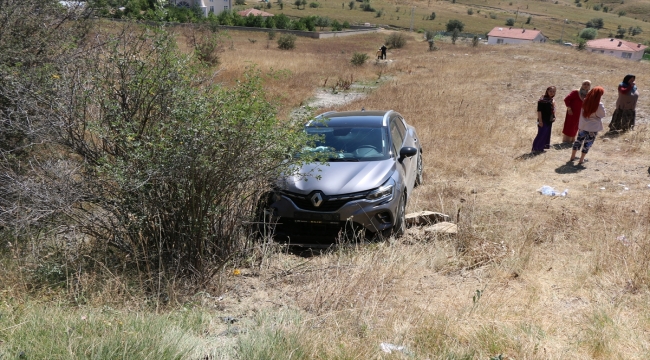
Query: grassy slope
(554,280)
(546,15)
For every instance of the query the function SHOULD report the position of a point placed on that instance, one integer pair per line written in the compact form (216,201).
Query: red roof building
(617,47)
(501,35)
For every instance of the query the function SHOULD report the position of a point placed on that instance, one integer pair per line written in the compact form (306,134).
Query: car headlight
(384,191)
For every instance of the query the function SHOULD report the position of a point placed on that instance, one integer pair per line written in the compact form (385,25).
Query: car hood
(340,177)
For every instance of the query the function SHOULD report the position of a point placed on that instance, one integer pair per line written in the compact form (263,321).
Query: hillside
(547,16)
(527,276)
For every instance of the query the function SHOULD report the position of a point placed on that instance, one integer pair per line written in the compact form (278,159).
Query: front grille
(330,203)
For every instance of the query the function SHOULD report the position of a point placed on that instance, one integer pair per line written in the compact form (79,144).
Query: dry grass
(527,277)
(555,279)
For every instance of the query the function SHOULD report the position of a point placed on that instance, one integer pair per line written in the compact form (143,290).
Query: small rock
(474,191)
(425,218)
(442,228)
(229,319)
(565,181)
(635,211)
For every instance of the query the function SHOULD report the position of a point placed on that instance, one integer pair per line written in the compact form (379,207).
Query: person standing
(591,122)
(545,119)
(383,51)
(573,103)
(625,113)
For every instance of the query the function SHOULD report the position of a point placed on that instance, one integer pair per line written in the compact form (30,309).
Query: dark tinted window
(397,135)
(352,143)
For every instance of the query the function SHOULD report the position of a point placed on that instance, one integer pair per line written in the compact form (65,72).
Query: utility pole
(412,11)
(562,35)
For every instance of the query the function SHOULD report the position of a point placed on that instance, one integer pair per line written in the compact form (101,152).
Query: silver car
(374,161)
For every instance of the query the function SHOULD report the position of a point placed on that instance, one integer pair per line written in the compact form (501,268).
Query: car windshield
(351,143)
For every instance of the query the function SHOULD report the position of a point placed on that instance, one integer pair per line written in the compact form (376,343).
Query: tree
(454,35)
(455,24)
(352,4)
(510,22)
(322,22)
(588,33)
(282,21)
(636,31)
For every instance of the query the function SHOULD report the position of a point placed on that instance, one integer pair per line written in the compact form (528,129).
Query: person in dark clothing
(625,113)
(383,52)
(545,119)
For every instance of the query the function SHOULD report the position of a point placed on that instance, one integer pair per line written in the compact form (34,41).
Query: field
(547,16)
(527,277)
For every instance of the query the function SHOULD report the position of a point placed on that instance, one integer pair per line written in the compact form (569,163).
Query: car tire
(400,222)
(420,166)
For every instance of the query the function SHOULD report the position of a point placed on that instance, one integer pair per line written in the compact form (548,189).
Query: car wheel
(418,176)
(400,223)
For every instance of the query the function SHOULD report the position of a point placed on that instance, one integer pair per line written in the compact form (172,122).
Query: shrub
(429,35)
(352,4)
(510,22)
(359,59)
(365,6)
(396,40)
(582,44)
(379,13)
(605,9)
(455,24)
(636,31)
(346,24)
(597,7)
(272,34)
(579,5)
(432,16)
(528,20)
(622,13)
(493,16)
(314,5)
(475,41)
(470,11)
(240,2)
(588,33)
(336,25)
(287,41)
(596,23)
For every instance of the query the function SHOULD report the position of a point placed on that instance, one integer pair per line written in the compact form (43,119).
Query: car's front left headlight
(382,192)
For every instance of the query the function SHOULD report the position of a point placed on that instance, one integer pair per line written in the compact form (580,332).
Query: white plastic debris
(549,191)
(602,188)
(624,240)
(389,348)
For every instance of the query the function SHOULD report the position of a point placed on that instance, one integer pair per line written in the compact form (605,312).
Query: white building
(616,47)
(500,35)
(206,6)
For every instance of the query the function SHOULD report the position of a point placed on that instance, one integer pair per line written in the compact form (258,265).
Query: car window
(400,125)
(352,143)
(397,136)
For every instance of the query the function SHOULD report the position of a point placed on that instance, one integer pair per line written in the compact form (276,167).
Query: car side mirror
(407,151)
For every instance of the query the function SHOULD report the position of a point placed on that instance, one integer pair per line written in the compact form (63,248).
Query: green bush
(336,25)
(588,33)
(359,59)
(510,22)
(596,23)
(396,40)
(287,41)
(314,5)
(346,24)
(493,16)
(352,4)
(432,16)
(470,11)
(455,24)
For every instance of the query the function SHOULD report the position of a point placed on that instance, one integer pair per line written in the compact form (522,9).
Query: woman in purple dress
(545,119)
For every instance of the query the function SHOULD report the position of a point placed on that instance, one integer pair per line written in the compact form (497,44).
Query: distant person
(383,51)
(379,54)
(545,119)
(625,113)
(591,122)
(573,103)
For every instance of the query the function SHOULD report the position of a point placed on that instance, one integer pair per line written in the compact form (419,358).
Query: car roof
(374,118)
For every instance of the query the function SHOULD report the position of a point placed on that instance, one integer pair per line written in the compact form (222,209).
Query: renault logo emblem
(316,199)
